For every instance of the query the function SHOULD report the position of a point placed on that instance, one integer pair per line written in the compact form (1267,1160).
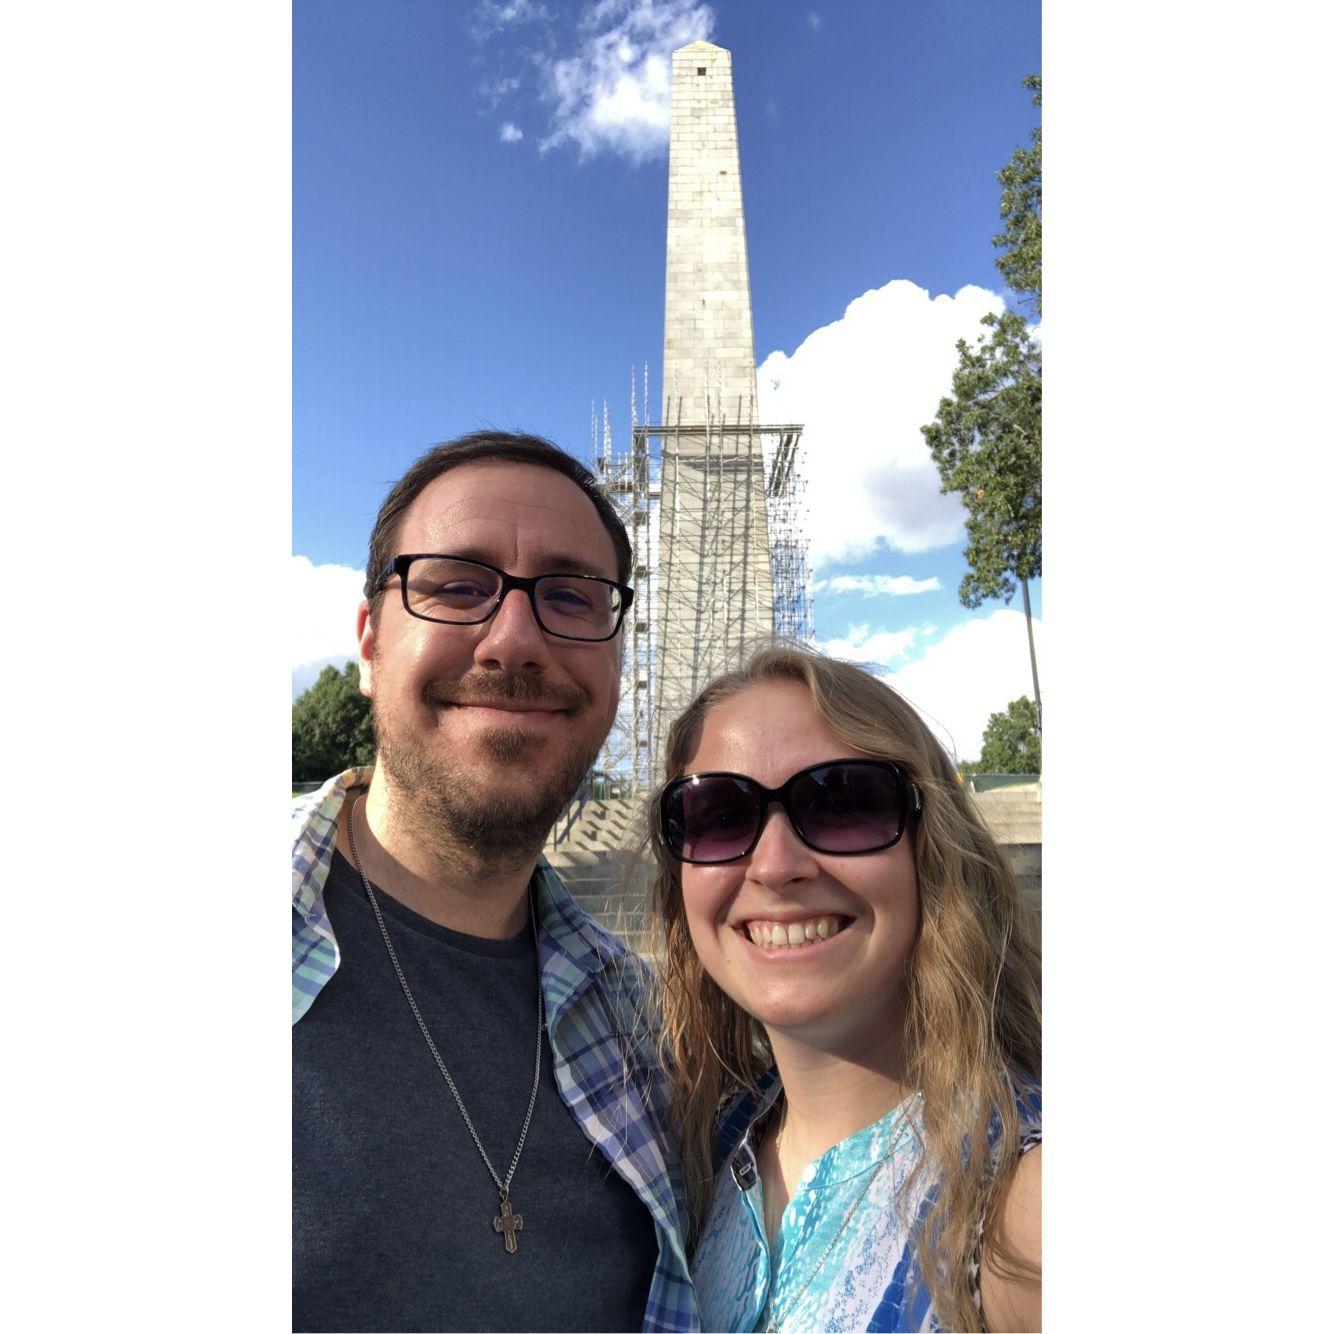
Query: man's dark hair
(485,447)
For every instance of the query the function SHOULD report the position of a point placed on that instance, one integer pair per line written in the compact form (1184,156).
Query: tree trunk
(1032,655)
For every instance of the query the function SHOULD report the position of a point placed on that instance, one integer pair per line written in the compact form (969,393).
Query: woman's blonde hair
(973,1025)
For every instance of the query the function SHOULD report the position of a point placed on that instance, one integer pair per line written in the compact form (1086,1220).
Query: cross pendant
(509,1223)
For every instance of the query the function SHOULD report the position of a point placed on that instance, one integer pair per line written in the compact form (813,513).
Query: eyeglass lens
(461,593)
(837,808)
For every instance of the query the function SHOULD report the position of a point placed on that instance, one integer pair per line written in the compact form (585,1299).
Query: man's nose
(513,640)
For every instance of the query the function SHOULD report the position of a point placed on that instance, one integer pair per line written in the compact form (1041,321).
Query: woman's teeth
(793,935)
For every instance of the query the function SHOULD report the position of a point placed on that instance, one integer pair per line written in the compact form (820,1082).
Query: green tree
(987,444)
(1021,213)
(331,726)
(986,440)
(1012,743)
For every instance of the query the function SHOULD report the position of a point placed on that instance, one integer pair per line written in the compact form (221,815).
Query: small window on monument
(701,69)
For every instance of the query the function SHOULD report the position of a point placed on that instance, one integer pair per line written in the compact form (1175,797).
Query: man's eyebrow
(560,564)
(549,563)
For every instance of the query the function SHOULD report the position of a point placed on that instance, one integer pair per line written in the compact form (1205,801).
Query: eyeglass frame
(780,795)
(401,564)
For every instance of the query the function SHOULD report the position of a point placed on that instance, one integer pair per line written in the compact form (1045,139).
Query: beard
(454,804)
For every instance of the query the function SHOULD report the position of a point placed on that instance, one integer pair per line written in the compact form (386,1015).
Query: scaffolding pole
(697,500)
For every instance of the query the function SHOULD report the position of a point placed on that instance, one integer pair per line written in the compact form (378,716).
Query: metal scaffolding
(789,544)
(631,480)
(715,514)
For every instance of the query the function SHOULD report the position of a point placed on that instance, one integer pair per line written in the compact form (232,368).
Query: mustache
(497,688)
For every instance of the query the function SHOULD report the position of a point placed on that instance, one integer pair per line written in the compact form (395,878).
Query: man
(477,1134)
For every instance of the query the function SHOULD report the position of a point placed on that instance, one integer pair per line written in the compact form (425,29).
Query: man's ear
(365,649)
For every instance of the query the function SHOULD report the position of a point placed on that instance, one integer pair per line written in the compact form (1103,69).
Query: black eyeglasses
(841,806)
(467,592)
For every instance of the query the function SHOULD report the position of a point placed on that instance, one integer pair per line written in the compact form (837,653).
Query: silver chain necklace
(508,1221)
(775,1321)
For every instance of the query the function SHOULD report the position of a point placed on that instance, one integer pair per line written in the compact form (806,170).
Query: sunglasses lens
(712,819)
(848,807)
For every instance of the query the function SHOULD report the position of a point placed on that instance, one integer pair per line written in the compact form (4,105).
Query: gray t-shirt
(392,1206)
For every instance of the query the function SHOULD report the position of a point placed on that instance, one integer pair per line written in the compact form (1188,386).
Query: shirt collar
(315,831)
(895,1133)
(573,948)
(847,1159)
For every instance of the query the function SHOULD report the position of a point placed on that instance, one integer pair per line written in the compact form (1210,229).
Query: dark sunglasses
(840,806)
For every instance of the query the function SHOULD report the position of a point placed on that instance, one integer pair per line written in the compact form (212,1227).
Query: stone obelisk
(706,585)
(715,583)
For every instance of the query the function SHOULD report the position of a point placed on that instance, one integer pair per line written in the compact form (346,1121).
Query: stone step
(1009,798)
(1013,814)
(571,855)
(997,818)
(1006,832)
(1026,862)
(582,854)
(604,825)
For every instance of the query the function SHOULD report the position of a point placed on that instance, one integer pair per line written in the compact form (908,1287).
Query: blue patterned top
(869,1277)
(603,1061)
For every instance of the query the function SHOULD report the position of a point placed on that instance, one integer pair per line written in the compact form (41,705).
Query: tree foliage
(331,726)
(1012,743)
(1021,213)
(987,444)
(987,437)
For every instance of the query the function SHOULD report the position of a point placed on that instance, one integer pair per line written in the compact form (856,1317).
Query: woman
(851,976)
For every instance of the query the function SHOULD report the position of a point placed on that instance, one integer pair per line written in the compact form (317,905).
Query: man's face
(486,729)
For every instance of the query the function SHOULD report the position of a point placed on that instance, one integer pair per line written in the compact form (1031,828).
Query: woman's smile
(793,933)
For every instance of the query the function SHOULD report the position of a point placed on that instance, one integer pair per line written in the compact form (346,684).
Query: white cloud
(613,93)
(324,601)
(510,133)
(960,680)
(498,90)
(863,387)
(876,650)
(492,15)
(815,20)
(877,585)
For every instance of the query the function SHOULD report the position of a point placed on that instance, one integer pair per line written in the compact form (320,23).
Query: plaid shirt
(600,1051)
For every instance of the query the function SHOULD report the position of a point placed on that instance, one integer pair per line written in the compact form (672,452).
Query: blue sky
(479,226)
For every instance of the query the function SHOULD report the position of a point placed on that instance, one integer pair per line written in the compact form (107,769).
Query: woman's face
(843,991)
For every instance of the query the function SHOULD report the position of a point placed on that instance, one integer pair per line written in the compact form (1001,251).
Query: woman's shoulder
(1007,1271)
(1011,1256)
